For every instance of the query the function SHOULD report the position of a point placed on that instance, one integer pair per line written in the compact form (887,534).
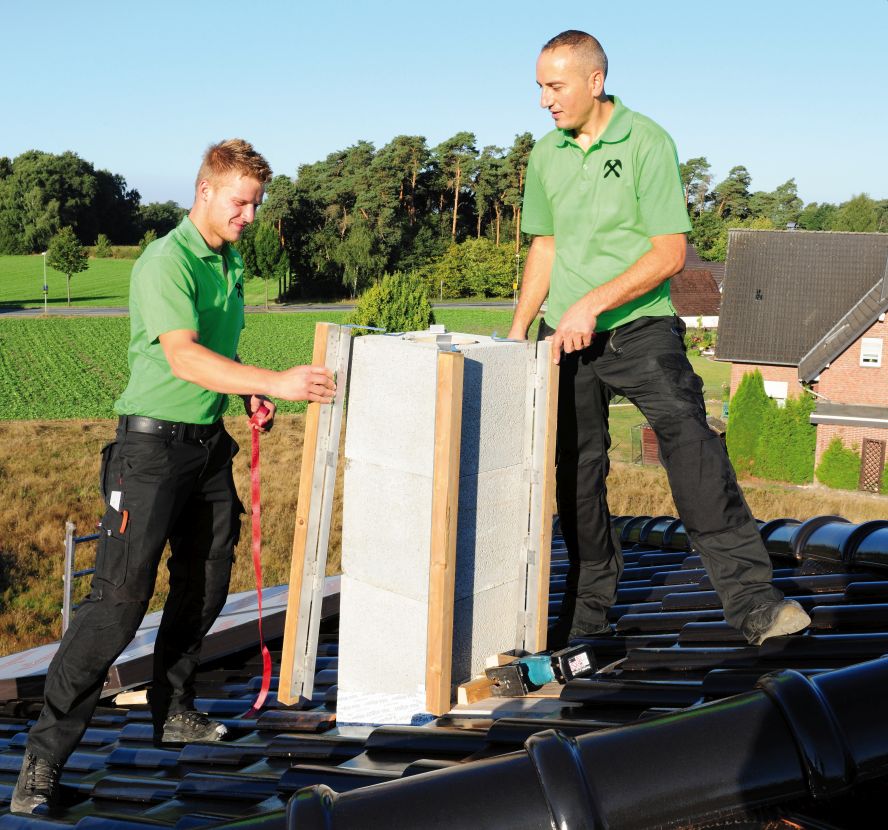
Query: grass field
(104,283)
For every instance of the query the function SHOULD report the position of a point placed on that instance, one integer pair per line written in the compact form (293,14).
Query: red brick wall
(787,374)
(846,381)
(852,437)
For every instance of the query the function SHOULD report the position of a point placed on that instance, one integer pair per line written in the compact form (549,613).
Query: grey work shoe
(774,619)
(190,727)
(38,784)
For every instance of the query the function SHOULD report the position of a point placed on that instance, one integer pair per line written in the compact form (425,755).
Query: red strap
(256,512)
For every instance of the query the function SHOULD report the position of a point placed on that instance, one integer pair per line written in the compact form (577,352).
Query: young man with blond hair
(604,203)
(167,476)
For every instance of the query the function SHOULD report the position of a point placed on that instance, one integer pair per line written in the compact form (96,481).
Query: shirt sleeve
(165,292)
(660,193)
(536,212)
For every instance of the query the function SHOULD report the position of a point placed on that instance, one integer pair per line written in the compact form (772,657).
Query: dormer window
(871,352)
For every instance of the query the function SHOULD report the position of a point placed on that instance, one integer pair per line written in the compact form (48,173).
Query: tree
(781,206)
(859,214)
(160,217)
(456,157)
(839,466)
(732,195)
(786,445)
(66,254)
(103,247)
(817,217)
(695,178)
(488,187)
(515,170)
(748,409)
(271,258)
(147,238)
(358,257)
(398,302)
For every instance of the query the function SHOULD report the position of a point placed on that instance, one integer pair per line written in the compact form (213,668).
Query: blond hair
(233,156)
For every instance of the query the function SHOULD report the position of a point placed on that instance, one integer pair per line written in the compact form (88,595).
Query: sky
(785,88)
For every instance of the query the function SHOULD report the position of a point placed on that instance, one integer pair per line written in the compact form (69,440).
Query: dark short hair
(588,46)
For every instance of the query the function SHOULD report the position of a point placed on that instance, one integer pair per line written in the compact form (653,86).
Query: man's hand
(305,383)
(253,404)
(576,328)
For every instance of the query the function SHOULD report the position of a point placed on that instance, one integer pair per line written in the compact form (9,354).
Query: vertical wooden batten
(442,554)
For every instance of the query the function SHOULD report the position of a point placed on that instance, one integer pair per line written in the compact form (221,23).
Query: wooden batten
(442,554)
(287,693)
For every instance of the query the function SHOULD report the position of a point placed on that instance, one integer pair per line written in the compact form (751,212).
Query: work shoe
(774,619)
(38,783)
(190,727)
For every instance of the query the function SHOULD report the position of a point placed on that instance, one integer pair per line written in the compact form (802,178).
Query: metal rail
(71,541)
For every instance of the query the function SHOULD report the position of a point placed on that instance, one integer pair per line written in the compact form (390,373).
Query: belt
(171,430)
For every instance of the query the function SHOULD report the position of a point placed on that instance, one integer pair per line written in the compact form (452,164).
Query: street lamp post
(45,286)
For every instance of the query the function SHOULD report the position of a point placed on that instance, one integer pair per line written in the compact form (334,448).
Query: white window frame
(777,390)
(871,352)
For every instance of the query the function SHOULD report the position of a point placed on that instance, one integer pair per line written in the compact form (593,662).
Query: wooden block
(137,697)
(474,690)
(442,556)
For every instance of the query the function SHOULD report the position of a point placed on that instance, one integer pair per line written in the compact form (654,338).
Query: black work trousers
(645,361)
(155,490)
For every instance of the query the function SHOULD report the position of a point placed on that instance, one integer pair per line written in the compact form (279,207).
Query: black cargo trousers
(645,361)
(155,489)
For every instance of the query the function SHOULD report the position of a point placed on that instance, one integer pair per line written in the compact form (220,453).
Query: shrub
(398,302)
(146,240)
(476,267)
(103,247)
(883,487)
(786,444)
(747,414)
(839,466)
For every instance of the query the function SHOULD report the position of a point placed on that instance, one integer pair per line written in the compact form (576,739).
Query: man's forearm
(664,259)
(198,364)
(534,285)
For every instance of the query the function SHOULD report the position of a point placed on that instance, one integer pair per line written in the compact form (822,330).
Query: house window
(778,390)
(871,351)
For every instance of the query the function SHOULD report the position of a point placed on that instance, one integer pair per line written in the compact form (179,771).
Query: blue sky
(785,88)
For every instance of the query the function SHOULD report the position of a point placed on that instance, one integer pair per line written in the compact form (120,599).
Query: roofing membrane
(684,725)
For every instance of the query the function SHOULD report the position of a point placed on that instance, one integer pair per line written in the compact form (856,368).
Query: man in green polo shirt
(604,203)
(167,477)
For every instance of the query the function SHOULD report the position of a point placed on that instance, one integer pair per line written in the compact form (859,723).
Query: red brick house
(808,309)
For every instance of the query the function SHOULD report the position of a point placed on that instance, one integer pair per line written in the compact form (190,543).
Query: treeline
(450,212)
(41,193)
(730,204)
(363,212)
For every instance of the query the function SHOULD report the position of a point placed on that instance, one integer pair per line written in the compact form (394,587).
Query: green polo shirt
(603,206)
(179,283)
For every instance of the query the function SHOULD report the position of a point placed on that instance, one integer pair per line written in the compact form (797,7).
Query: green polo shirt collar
(195,243)
(617,129)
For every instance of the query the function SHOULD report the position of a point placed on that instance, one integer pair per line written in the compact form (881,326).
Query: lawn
(104,283)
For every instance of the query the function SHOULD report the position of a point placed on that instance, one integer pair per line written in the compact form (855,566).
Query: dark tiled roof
(695,294)
(784,290)
(693,262)
(859,318)
(680,726)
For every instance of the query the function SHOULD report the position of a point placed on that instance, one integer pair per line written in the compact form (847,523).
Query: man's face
(230,203)
(567,89)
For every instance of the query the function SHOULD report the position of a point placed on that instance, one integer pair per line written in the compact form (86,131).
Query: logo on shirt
(613,166)
(240,289)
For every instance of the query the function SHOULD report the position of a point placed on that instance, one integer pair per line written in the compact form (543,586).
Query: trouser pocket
(112,551)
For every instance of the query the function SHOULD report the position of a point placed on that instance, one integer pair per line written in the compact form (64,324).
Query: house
(807,309)
(696,297)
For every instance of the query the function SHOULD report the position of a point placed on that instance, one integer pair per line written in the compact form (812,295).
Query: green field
(104,283)
(75,367)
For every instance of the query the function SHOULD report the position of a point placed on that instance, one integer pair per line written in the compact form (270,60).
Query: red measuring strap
(256,513)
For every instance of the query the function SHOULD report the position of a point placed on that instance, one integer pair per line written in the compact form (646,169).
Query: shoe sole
(790,620)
